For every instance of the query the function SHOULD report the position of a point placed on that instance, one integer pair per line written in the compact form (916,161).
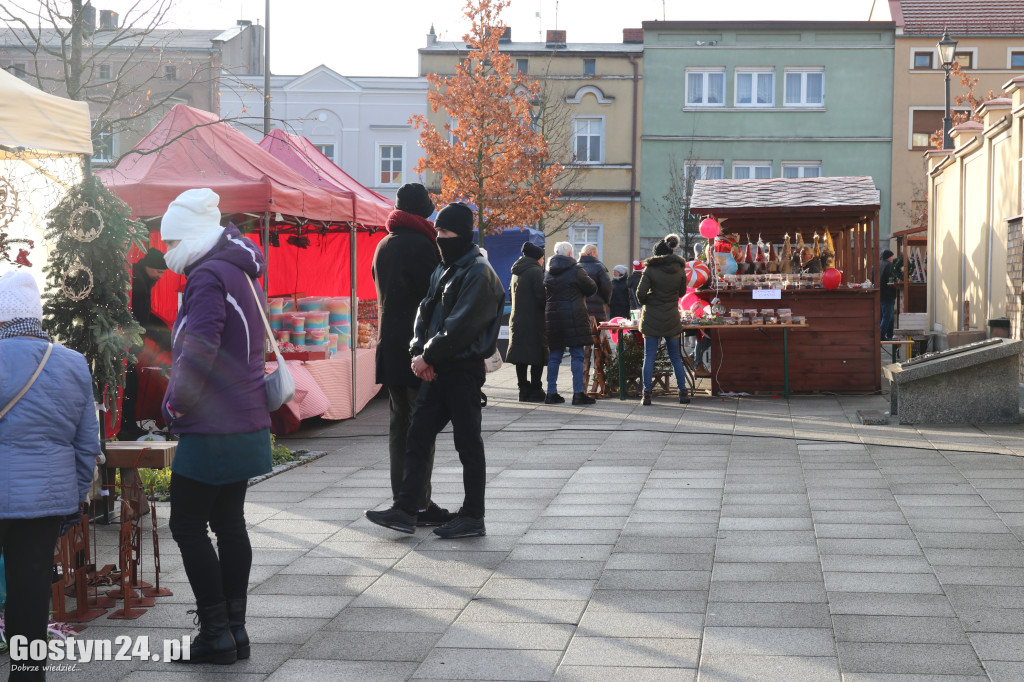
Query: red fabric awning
(190,148)
(299,154)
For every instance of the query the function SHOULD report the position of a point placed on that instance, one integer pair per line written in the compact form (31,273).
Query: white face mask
(188,251)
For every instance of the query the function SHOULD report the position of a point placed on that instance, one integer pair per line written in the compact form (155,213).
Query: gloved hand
(68,522)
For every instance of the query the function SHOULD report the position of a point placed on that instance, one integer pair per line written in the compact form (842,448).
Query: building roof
(443,46)
(174,39)
(784,194)
(765,26)
(973,18)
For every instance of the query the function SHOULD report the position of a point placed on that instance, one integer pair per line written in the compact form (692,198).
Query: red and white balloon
(697,274)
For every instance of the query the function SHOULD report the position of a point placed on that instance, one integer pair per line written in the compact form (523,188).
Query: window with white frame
(103,145)
(805,87)
(326,149)
(924,59)
(705,87)
(170,72)
(587,139)
(755,87)
(752,170)
(801,169)
(1017,59)
(104,72)
(703,170)
(589,67)
(391,164)
(581,234)
(523,65)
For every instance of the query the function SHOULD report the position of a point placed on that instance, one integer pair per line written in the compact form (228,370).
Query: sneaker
(434,516)
(461,527)
(582,399)
(553,399)
(394,518)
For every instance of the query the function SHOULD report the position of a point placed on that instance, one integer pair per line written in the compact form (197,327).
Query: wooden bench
(894,347)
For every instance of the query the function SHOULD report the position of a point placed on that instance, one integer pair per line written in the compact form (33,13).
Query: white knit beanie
(192,215)
(193,219)
(19,297)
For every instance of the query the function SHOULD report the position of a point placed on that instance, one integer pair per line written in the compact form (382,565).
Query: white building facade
(360,123)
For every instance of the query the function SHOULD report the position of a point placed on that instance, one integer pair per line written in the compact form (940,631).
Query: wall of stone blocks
(1015,275)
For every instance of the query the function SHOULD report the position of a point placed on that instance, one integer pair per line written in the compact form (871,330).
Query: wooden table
(730,328)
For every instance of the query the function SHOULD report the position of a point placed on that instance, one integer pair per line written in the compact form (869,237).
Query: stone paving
(731,540)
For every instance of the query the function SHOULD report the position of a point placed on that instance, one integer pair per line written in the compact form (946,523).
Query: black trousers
(27,546)
(536,372)
(402,400)
(213,575)
(453,396)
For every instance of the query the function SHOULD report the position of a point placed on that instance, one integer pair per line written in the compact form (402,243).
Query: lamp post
(947,53)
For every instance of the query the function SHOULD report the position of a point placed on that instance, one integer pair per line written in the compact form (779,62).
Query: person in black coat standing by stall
(402,266)
(567,286)
(619,305)
(633,282)
(527,342)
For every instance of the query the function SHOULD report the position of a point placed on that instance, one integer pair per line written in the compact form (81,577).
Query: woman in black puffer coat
(661,286)
(527,345)
(566,287)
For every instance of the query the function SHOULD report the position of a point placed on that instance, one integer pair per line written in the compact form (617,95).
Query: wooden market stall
(839,350)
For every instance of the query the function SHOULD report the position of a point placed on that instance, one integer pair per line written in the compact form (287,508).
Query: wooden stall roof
(856,194)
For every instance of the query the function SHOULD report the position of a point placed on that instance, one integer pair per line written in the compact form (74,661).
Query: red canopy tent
(190,148)
(315,269)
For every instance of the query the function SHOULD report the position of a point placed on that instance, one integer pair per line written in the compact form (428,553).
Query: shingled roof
(970,18)
(789,194)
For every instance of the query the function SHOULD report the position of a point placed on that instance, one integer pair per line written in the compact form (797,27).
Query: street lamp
(947,53)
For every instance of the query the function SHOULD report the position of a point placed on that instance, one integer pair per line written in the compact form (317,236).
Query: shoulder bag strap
(266,322)
(32,380)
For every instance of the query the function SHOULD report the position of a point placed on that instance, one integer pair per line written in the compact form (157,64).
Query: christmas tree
(89,282)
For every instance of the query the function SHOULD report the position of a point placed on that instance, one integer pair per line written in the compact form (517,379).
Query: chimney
(108,19)
(431,37)
(555,39)
(506,35)
(632,35)
(88,18)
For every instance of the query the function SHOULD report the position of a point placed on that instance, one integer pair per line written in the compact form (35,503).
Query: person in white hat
(49,441)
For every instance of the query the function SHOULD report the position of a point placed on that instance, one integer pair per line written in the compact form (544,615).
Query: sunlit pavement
(730,540)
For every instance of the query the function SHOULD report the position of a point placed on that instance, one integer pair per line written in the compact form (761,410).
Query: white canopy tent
(42,137)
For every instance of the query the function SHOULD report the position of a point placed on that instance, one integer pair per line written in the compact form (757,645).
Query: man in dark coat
(597,304)
(887,294)
(456,329)
(633,282)
(566,287)
(527,344)
(145,274)
(402,266)
(619,305)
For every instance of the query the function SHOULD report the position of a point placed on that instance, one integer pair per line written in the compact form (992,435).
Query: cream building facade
(974,209)
(591,95)
(990,47)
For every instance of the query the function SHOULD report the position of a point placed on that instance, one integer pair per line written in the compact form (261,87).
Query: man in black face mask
(456,328)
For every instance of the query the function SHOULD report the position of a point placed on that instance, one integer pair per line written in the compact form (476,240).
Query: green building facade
(762,100)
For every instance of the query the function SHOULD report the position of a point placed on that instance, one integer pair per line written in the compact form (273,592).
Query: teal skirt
(218,459)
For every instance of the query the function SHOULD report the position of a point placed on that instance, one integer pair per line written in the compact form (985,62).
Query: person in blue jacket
(49,441)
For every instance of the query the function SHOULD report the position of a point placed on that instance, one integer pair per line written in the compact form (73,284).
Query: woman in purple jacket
(216,402)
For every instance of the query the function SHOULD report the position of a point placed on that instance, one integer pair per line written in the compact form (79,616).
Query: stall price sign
(767,294)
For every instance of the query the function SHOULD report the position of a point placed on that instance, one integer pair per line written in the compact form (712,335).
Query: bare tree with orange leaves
(489,152)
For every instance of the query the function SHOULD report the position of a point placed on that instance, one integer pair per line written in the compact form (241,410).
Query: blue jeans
(575,364)
(887,320)
(651,351)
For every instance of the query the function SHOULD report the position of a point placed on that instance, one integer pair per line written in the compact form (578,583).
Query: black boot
(647,397)
(582,399)
(684,397)
(537,392)
(236,621)
(214,643)
(524,392)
